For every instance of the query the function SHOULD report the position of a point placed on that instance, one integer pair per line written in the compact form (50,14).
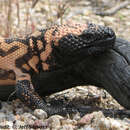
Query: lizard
(48,50)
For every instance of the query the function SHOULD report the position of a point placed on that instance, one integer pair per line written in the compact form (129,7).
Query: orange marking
(39,44)
(25,66)
(63,30)
(33,62)
(44,55)
(31,43)
(8,62)
(48,35)
(7,82)
(45,66)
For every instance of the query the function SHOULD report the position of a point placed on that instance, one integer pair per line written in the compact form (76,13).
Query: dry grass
(17,16)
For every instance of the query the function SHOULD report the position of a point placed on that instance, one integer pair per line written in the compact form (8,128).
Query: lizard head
(73,42)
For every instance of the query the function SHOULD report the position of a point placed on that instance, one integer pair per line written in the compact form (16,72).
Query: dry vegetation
(21,17)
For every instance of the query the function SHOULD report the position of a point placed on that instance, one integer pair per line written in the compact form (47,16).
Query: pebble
(85,119)
(40,124)
(55,121)
(10,117)
(19,111)
(19,124)
(88,128)
(27,118)
(109,20)
(6,125)
(67,127)
(126,120)
(6,108)
(68,122)
(39,113)
(109,123)
(2,116)
(120,24)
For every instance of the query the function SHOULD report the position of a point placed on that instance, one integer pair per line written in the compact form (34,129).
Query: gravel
(15,115)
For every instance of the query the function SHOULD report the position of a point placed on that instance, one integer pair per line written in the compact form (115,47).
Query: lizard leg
(26,93)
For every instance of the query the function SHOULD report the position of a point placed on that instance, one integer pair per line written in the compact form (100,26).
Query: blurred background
(21,17)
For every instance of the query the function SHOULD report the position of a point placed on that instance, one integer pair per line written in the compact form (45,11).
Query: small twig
(17,4)
(61,9)
(11,95)
(9,18)
(27,16)
(34,3)
(113,10)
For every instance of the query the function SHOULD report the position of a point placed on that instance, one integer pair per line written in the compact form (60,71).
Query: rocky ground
(19,23)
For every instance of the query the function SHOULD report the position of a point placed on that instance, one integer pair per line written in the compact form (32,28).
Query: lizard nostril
(111,32)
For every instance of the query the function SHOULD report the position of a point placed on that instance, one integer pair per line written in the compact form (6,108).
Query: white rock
(2,116)
(6,125)
(67,127)
(109,20)
(27,118)
(55,121)
(39,113)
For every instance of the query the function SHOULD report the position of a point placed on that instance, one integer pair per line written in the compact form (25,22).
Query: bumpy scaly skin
(48,50)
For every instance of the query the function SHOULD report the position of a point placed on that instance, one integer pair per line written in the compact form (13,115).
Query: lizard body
(48,50)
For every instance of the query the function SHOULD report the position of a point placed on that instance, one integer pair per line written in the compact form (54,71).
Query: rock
(76,117)
(127,23)
(125,13)
(27,118)
(2,116)
(19,111)
(109,20)
(68,122)
(106,124)
(6,125)
(110,123)
(39,113)
(10,117)
(19,125)
(126,120)
(98,121)
(67,127)
(6,108)
(88,128)
(85,120)
(55,121)
(40,124)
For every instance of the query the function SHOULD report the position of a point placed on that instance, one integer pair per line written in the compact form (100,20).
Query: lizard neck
(38,43)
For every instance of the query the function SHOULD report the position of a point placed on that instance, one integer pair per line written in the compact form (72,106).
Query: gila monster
(48,50)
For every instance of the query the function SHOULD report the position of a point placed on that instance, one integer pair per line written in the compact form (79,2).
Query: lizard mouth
(95,48)
(99,41)
(98,47)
